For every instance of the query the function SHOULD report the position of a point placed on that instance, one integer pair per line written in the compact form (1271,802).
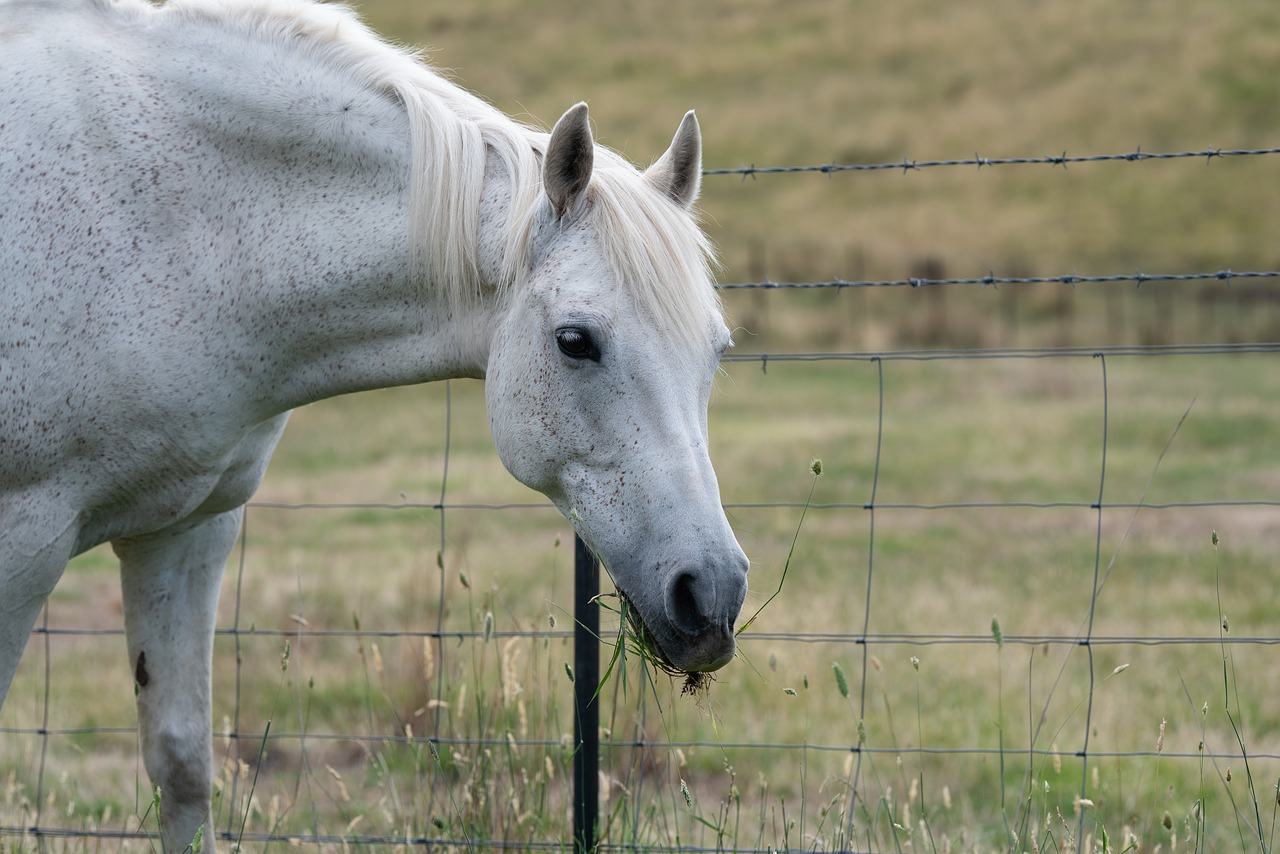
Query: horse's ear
(566,169)
(678,173)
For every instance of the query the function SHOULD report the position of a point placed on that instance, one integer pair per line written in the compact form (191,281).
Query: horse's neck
(302,188)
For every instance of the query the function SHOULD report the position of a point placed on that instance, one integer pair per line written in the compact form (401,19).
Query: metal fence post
(586,721)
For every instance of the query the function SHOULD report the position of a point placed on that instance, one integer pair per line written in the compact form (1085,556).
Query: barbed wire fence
(42,825)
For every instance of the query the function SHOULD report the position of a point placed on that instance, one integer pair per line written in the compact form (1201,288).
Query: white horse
(212,212)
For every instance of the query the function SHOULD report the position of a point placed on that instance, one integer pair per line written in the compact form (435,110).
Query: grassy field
(966,739)
(983,471)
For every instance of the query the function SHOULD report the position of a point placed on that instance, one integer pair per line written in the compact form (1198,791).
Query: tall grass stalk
(920,782)
(815,468)
(997,634)
(1230,691)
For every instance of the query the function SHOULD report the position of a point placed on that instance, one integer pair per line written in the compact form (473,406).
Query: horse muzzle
(694,626)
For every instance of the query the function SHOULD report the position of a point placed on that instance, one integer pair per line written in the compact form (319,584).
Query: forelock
(660,254)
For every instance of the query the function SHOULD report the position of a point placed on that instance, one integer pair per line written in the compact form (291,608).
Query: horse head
(599,377)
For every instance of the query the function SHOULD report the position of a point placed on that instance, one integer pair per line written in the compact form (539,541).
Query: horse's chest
(171,489)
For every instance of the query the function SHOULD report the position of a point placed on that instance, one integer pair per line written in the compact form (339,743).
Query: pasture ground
(965,740)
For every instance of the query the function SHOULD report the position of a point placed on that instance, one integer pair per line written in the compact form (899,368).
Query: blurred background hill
(837,81)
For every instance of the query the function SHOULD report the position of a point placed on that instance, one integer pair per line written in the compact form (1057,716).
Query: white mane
(656,248)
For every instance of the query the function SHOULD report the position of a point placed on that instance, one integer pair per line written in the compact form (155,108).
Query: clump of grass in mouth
(634,638)
(634,635)
(642,643)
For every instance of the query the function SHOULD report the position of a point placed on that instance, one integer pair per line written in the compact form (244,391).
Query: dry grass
(991,431)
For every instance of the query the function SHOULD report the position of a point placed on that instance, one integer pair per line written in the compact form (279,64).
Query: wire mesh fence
(1026,606)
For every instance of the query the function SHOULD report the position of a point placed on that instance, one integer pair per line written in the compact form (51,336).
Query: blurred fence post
(586,720)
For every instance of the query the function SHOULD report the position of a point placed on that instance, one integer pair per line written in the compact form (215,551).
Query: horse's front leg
(29,568)
(171,581)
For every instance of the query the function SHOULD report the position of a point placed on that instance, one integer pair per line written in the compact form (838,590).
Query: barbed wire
(978,161)
(1139,278)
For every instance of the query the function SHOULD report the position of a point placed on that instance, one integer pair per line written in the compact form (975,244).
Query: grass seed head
(842,684)
(428,660)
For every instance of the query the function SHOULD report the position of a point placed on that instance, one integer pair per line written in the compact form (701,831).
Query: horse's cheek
(524,433)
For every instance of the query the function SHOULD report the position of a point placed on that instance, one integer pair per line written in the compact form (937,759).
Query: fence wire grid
(907,530)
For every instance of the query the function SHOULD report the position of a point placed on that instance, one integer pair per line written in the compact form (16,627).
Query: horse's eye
(575,342)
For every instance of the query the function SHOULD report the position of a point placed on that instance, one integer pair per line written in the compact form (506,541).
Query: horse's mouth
(644,641)
(696,682)
(649,646)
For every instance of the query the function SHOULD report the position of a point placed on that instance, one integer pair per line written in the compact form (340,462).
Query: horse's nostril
(690,600)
